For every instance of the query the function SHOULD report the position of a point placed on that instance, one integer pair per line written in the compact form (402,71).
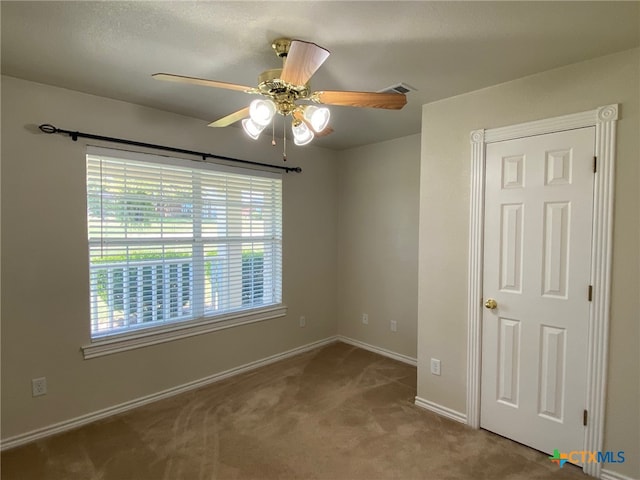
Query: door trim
(604,120)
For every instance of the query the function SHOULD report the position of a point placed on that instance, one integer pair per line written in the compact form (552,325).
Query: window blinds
(171,242)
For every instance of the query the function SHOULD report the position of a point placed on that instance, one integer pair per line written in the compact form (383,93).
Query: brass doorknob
(491,303)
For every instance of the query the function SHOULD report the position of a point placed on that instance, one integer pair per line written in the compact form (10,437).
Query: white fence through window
(169,242)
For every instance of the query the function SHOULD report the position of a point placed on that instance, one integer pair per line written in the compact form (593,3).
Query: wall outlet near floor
(303,322)
(435,366)
(394,326)
(39,386)
(365,319)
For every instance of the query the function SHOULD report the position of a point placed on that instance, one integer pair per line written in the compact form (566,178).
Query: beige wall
(345,210)
(378,192)
(45,308)
(444,220)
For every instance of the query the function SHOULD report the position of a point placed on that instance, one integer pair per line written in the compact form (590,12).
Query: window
(177,242)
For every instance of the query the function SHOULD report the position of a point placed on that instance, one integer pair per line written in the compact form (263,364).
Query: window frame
(134,338)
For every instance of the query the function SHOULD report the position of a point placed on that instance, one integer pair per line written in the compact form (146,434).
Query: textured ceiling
(440,48)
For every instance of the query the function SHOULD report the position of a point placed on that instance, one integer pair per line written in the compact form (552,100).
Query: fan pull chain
(284,138)
(273,133)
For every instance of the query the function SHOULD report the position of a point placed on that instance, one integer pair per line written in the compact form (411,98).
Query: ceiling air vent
(398,88)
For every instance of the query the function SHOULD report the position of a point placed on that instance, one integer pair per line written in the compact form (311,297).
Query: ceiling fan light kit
(318,117)
(251,128)
(262,111)
(301,133)
(284,87)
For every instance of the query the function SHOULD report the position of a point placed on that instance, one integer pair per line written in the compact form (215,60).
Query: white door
(537,250)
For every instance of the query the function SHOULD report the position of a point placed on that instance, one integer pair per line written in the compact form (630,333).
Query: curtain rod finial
(47,128)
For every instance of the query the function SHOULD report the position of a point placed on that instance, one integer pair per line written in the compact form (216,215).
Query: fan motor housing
(283,94)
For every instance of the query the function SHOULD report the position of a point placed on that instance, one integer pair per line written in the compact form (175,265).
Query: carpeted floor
(338,412)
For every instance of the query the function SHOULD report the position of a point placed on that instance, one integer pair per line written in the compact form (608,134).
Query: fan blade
(325,132)
(394,101)
(231,118)
(201,81)
(303,59)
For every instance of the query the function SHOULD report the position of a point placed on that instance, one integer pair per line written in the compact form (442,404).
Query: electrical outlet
(39,386)
(365,319)
(303,322)
(435,366)
(394,326)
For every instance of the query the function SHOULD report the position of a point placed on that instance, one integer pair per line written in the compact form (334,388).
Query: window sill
(154,336)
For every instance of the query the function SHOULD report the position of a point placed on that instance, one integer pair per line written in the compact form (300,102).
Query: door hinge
(590,295)
(584,417)
(595,164)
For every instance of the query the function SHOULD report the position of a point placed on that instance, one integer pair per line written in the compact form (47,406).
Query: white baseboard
(609,475)
(440,410)
(63,426)
(379,350)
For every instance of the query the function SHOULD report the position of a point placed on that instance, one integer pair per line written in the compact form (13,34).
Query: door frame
(604,120)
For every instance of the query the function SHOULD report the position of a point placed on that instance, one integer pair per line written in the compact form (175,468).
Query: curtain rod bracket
(49,129)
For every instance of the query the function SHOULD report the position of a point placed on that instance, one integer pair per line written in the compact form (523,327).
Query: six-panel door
(537,243)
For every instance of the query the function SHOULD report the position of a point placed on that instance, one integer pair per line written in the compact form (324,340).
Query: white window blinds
(173,240)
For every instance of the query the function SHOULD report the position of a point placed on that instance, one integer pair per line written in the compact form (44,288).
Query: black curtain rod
(48,128)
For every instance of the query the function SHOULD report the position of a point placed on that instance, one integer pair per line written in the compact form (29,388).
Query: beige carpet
(338,412)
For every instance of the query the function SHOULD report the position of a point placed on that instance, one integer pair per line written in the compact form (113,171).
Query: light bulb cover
(262,111)
(301,133)
(251,128)
(317,117)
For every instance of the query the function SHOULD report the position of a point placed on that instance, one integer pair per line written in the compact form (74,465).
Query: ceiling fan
(285,87)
